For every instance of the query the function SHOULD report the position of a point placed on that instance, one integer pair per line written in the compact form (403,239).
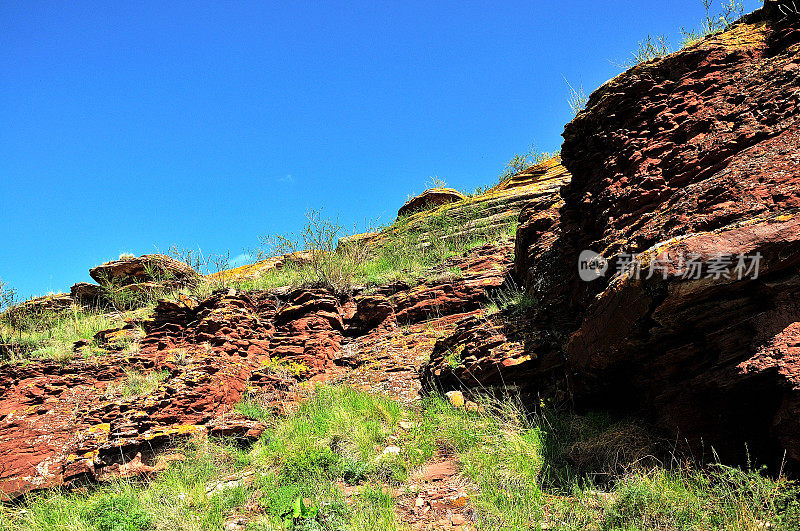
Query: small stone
(458,519)
(456,398)
(391,450)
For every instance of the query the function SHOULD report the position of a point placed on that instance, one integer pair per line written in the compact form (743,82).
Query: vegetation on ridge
(522,161)
(402,251)
(713,22)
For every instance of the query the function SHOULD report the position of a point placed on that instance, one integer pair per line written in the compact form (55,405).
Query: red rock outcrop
(545,171)
(108,414)
(447,293)
(87,294)
(146,268)
(693,158)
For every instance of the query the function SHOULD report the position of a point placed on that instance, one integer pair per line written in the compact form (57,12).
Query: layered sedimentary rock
(484,213)
(687,168)
(143,269)
(258,268)
(62,423)
(38,306)
(87,294)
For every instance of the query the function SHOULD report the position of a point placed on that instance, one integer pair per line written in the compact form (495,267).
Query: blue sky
(132,126)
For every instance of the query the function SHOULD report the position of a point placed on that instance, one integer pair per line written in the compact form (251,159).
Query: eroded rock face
(94,418)
(694,156)
(543,172)
(146,268)
(87,294)
(457,286)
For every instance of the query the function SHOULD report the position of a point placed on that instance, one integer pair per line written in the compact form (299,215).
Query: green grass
(407,250)
(52,334)
(512,299)
(713,22)
(521,471)
(137,383)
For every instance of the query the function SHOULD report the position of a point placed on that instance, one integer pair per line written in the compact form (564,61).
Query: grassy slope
(513,465)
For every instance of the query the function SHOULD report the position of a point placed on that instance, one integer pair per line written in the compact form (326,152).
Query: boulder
(429,199)
(157,268)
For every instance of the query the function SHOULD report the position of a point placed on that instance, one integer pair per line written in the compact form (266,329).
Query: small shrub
(436,182)
(123,297)
(192,258)
(577,98)
(325,263)
(523,161)
(7,295)
(648,49)
(513,299)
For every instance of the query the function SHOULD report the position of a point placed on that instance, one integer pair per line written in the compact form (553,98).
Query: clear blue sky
(131,126)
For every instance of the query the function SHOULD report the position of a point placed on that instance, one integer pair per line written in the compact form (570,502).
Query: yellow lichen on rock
(549,170)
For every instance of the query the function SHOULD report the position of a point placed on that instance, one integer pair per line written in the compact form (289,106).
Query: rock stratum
(63,424)
(674,171)
(680,167)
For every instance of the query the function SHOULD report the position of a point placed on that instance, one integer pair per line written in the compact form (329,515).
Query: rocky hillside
(686,181)
(651,271)
(64,423)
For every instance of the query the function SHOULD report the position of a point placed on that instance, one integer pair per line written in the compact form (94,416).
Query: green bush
(405,250)
(323,263)
(7,295)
